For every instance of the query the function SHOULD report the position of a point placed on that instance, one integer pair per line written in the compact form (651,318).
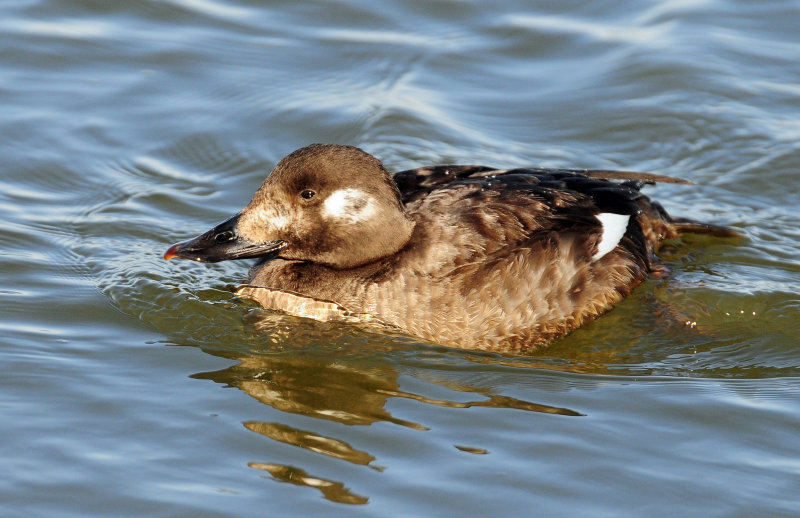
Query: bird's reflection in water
(301,373)
(333,491)
(312,441)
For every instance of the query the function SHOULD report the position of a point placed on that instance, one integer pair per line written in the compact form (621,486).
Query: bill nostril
(224,237)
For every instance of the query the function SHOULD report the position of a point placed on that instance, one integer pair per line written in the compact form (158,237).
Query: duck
(465,256)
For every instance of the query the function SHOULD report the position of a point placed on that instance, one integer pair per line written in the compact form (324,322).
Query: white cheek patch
(254,222)
(614,226)
(279,222)
(350,205)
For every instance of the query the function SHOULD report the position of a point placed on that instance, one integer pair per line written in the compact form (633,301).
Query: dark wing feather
(416,183)
(608,196)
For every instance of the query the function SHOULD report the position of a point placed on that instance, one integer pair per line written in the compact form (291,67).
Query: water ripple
(128,126)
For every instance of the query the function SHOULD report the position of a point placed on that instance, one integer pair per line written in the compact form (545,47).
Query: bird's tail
(657,225)
(689,226)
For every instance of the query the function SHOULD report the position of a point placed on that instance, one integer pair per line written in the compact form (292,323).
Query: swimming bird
(464,256)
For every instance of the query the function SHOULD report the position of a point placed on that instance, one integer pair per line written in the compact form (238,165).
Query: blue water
(131,386)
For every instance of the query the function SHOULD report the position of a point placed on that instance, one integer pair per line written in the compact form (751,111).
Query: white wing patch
(614,226)
(350,205)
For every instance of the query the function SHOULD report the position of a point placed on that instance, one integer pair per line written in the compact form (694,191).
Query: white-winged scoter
(465,256)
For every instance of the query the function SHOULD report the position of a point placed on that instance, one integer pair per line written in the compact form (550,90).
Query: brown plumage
(464,256)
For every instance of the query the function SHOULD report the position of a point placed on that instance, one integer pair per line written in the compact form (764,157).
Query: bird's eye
(307,194)
(224,237)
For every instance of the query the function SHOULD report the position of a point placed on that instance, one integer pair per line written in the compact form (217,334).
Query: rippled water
(127,126)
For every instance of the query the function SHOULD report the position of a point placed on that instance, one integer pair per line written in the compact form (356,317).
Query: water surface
(132,386)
